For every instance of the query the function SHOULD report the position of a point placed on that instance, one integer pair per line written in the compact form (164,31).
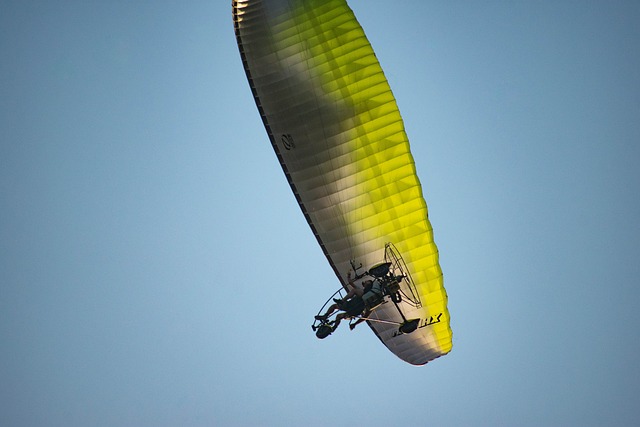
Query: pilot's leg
(329,312)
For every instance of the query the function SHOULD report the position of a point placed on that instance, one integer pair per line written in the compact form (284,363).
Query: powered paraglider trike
(387,282)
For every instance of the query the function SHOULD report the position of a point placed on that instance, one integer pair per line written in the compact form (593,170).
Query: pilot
(357,302)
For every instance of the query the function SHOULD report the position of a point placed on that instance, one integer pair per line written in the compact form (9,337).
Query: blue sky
(155,269)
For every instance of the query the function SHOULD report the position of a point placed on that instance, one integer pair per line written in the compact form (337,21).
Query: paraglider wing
(338,135)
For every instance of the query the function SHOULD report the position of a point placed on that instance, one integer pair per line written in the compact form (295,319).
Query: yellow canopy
(337,132)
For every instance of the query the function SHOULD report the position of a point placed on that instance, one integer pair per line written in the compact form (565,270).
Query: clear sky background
(155,269)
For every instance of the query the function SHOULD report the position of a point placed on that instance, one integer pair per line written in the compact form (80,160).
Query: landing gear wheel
(324,331)
(409,326)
